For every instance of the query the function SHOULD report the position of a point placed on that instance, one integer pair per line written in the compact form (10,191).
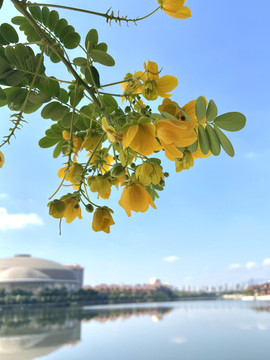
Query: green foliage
(200,108)
(91,39)
(211,111)
(9,33)
(232,121)
(225,142)
(101,57)
(203,139)
(214,142)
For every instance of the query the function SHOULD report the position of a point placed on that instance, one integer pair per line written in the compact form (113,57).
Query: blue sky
(212,222)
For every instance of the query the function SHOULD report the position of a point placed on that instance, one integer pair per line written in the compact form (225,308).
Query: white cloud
(251,155)
(250,264)
(179,340)
(171,258)
(17,221)
(266,261)
(234,266)
(3,196)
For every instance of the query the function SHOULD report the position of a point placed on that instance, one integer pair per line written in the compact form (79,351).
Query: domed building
(35,274)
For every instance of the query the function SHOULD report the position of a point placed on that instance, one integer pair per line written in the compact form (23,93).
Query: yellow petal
(166,84)
(129,135)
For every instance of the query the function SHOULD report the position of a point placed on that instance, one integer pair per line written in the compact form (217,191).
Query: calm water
(218,330)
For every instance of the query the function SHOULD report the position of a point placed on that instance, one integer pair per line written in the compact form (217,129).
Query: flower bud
(118,170)
(57,208)
(89,208)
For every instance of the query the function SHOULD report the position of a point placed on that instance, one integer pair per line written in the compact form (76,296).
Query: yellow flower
(141,138)
(132,86)
(57,208)
(102,160)
(175,8)
(185,163)
(102,186)
(90,141)
(102,220)
(73,174)
(72,210)
(2,159)
(153,85)
(110,131)
(149,172)
(135,197)
(173,134)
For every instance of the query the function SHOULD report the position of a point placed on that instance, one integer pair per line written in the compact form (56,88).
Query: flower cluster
(120,150)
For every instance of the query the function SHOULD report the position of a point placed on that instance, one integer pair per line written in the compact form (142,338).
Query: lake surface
(191,330)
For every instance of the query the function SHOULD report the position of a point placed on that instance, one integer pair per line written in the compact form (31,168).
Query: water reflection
(29,334)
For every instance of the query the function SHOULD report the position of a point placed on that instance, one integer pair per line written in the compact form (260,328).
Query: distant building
(30,273)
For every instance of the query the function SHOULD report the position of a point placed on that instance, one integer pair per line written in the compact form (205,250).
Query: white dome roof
(26,267)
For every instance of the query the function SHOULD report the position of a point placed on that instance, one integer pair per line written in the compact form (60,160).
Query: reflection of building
(32,341)
(29,273)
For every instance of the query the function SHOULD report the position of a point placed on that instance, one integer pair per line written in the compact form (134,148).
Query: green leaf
(39,98)
(167,115)
(10,54)
(18,20)
(1,3)
(50,133)
(36,12)
(152,192)
(232,121)
(53,19)
(101,57)
(66,31)
(212,111)
(63,96)
(3,95)
(80,61)
(30,108)
(225,142)
(79,96)
(3,41)
(214,140)
(9,33)
(200,108)
(30,32)
(72,40)
(155,160)
(92,76)
(54,111)
(193,147)
(50,86)
(45,12)
(80,124)
(91,39)
(47,142)
(109,102)
(102,47)
(58,149)
(15,78)
(57,128)
(203,140)
(66,120)
(60,25)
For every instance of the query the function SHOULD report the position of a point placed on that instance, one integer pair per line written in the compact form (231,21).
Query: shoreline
(246,297)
